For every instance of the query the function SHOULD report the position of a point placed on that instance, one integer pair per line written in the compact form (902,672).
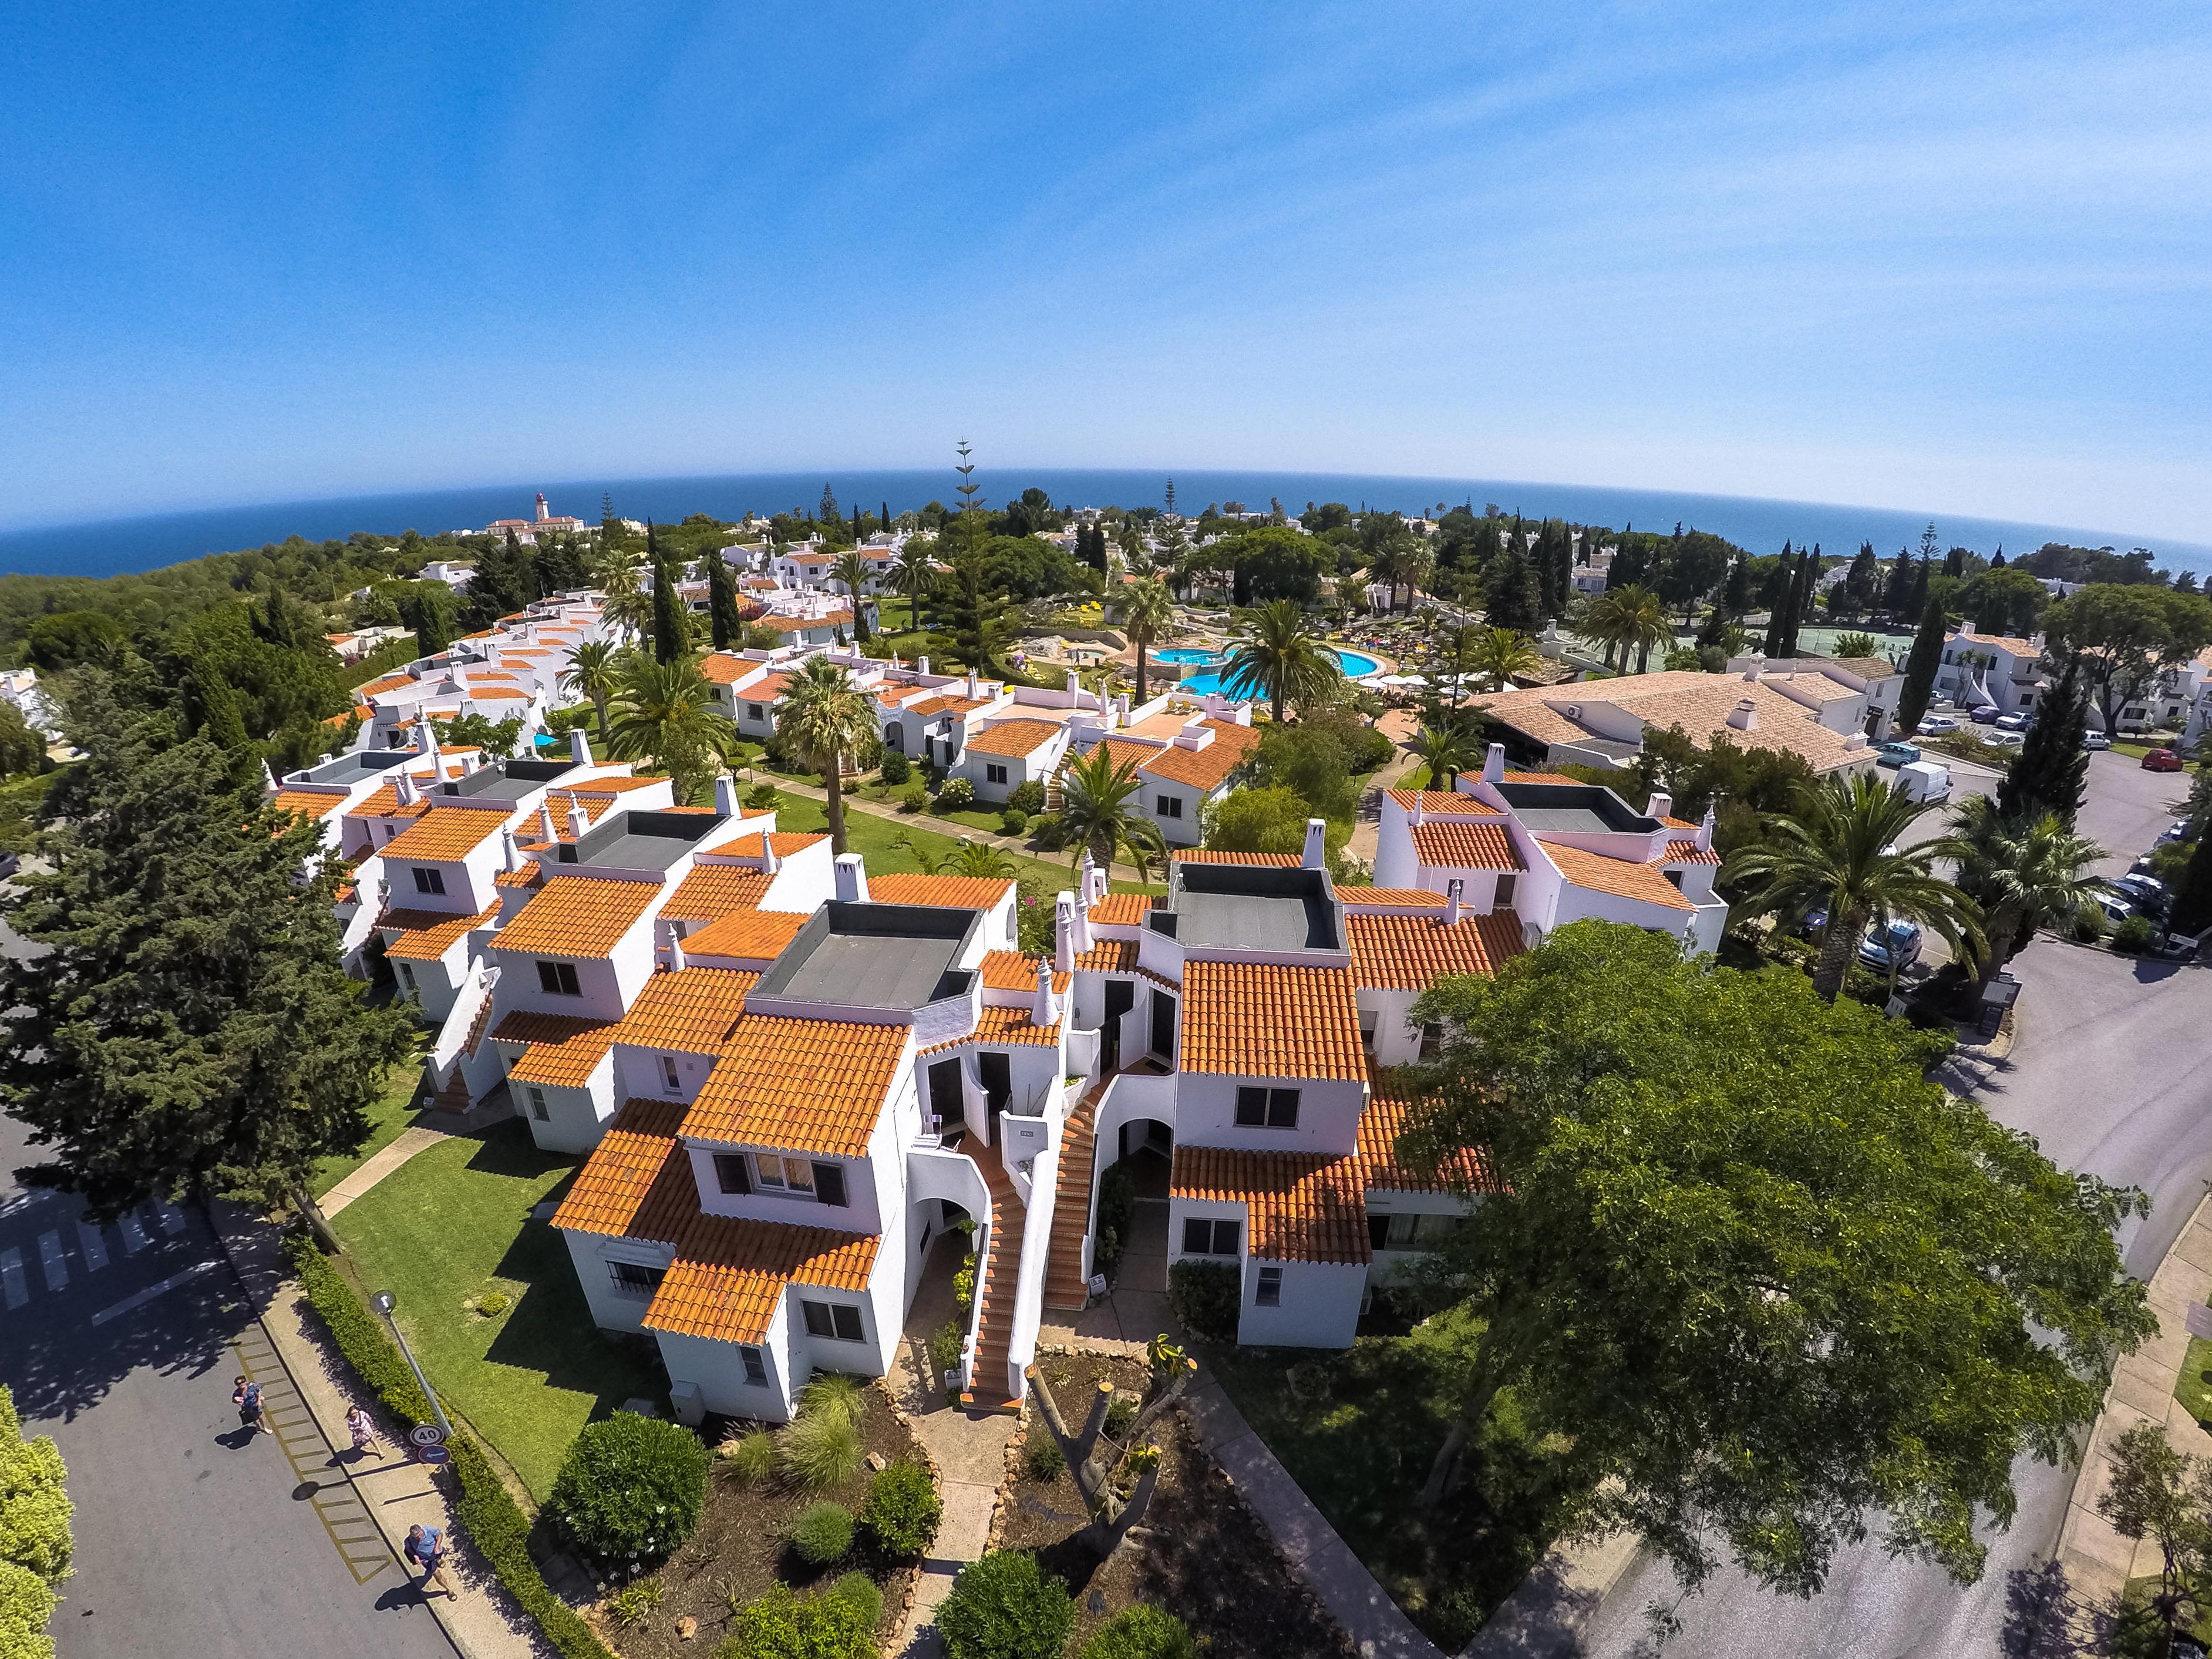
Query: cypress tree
(1511,595)
(1801,603)
(722,616)
(2049,772)
(2192,904)
(668,641)
(1920,665)
(887,518)
(859,534)
(1777,608)
(220,720)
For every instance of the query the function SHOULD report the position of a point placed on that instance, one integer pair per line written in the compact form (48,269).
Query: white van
(1925,780)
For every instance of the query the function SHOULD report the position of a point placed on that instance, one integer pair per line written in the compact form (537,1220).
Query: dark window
(1504,899)
(829,1184)
(1266,1108)
(633,1280)
(1674,875)
(838,1321)
(755,712)
(1205,1236)
(429,881)
(994,773)
(1432,1040)
(1410,1232)
(755,1373)
(1171,806)
(1251,1108)
(537,1105)
(406,977)
(668,1072)
(1271,1288)
(1282,1108)
(731,1169)
(558,979)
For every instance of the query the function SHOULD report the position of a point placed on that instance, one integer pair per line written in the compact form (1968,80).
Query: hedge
(488,1514)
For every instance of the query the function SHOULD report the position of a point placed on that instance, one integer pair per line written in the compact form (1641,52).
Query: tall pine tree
(1920,665)
(2049,771)
(669,640)
(1511,596)
(722,617)
(1778,608)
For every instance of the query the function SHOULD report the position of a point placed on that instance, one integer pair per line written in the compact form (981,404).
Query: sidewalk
(395,1493)
(411,1141)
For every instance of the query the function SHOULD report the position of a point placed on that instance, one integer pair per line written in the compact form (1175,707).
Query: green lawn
(2193,1387)
(392,1112)
(454,1222)
(1358,1431)
(875,839)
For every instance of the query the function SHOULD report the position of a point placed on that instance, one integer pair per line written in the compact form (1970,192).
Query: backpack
(251,1400)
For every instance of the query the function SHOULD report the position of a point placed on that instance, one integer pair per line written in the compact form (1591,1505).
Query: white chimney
(426,738)
(1073,685)
(769,862)
(1045,1011)
(1414,814)
(509,846)
(973,689)
(1084,870)
(920,666)
(545,830)
(1661,804)
(1453,890)
(675,949)
(725,795)
(852,878)
(1705,831)
(1744,717)
(579,821)
(1317,853)
(1752,673)
(1064,913)
(1122,706)
(405,790)
(579,746)
(1195,733)
(1493,763)
(472,761)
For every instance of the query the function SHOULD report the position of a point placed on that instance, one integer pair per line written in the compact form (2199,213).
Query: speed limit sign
(426,1434)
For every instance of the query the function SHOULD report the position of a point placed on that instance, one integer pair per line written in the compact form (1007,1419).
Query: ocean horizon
(147,542)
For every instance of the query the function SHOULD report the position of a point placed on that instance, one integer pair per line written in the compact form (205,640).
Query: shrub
(780,1625)
(1117,1213)
(896,768)
(492,1303)
(1049,832)
(2089,924)
(1121,1412)
(822,1450)
(944,1345)
(963,1283)
(2133,937)
(762,798)
(956,796)
(25,1605)
(835,1391)
(1206,1297)
(902,1509)
(1003,1607)
(1013,820)
(823,1533)
(632,1604)
(750,1455)
(915,799)
(1041,1456)
(1027,797)
(1143,1631)
(857,1589)
(631,1486)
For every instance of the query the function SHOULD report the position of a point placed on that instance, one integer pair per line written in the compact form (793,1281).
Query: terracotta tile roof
(562,1049)
(1006,1027)
(1813,687)
(613,784)
(730,1275)
(1011,970)
(611,1187)
(694,1010)
(1124,909)
(383,802)
(530,875)
(1195,855)
(426,935)
(1395,897)
(1512,776)
(1208,768)
(444,833)
(1263,1019)
(1699,703)
(1466,846)
(1108,956)
(306,801)
(1411,953)
(712,891)
(1303,1206)
(1123,755)
(785,841)
(722,669)
(577,916)
(377,688)
(494,693)
(952,892)
(1440,802)
(1867,668)
(1601,874)
(767,690)
(1389,1104)
(2018,647)
(746,935)
(947,705)
(1688,852)
(1016,737)
(804,1086)
(783,624)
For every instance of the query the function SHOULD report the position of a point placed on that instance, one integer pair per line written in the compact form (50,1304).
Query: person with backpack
(246,1396)
(426,1548)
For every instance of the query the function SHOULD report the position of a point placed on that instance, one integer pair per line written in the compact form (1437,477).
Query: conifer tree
(1920,665)
(1511,596)
(1778,608)
(2192,904)
(722,617)
(669,640)
(2049,771)
(885,520)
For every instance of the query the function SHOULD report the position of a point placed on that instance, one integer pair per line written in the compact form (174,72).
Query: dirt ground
(1200,1553)
(739,1551)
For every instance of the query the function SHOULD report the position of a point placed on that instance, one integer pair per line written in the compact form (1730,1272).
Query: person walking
(246,1396)
(426,1548)
(362,1427)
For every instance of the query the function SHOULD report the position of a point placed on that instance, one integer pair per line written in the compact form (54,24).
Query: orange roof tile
(805,1085)
(444,833)
(1016,737)
(426,935)
(377,688)
(562,1049)
(530,875)
(713,891)
(1009,1026)
(947,705)
(306,801)
(1208,768)
(1622,879)
(1396,897)
(1442,803)
(785,841)
(1197,855)
(1124,909)
(383,802)
(1011,970)
(1108,956)
(729,1275)
(1687,851)
(1303,1206)
(722,669)
(577,916)
(746,935)
(496,694)
(611,1187)
(1411,953)
(1466,846)
(1390,1105)
(784,625)
(766,690)
(952,892)
(695,1009)
(1265,1019)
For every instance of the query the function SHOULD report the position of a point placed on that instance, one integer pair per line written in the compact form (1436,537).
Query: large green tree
(2124,635)
(1774,1287)
(1102,811)
(2023,870)
(1147,611)
(824,716)
(1274,652)
(1920,665)
(189,1022)
(664,713)
(35,1540)
(2050,770)
(725,623)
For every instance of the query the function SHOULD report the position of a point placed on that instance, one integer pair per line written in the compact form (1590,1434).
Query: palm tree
(1449,748)
(1099,811)
(1841,851)
(664,712)
(853,570)
(629,606)
(1601,623)
(595,668)
(915,575)
(1644,623)
(2022,869)
(1147,612)
(824,716)
(1277,654)
(1500,653)
(967,857)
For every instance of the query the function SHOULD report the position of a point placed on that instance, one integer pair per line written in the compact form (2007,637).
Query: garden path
(411,1141)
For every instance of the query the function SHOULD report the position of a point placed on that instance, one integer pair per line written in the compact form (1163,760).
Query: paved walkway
(411,1141)
(393,1492)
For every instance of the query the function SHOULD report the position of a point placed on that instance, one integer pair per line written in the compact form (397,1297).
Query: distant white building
(19,686)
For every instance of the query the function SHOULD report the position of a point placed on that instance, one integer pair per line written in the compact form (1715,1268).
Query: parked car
(2145,893)
(1896,754)
(1937,725)
(2095,740)
(1986,715)
(1998,739)
(2019,720)
(2162,760)
(1899,939)
(2177,830)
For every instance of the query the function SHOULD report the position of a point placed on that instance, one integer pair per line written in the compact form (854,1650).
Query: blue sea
(108,547)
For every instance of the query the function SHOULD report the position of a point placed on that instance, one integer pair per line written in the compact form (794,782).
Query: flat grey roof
(509,780)
(873,956)
(1577,807)
(355,764)
(641,840)
(1253,908)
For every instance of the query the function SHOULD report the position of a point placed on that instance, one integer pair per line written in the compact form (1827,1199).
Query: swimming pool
(1355,665)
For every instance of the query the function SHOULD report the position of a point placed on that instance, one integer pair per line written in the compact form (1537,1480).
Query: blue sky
(1952,257)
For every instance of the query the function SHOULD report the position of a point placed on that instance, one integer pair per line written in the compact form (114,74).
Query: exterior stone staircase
(1064,1286)
(992,1388)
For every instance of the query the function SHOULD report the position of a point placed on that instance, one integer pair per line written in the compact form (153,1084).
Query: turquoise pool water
(1355,666)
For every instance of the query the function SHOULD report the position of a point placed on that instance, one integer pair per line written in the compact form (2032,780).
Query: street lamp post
(383,1302)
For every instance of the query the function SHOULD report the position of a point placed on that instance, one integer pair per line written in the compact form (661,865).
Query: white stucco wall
(1320,1306)
(1328,1114)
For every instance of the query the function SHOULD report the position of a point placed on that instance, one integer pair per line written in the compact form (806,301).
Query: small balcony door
(1163,1026)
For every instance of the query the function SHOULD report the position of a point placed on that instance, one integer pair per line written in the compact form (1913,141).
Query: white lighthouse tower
(543,511)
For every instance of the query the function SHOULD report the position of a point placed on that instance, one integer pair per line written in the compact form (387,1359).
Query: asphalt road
(2111,1073)
(121,1342)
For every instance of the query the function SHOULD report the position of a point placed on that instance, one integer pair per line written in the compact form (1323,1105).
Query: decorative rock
(877,1461)
(686,1628)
